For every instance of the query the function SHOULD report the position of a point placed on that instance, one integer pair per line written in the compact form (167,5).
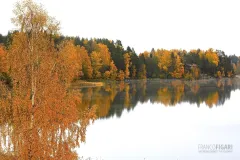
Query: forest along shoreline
(101,83)
(104,59)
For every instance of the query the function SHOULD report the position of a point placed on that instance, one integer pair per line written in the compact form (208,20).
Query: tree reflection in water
(114,97)
(56,127)
(51,130)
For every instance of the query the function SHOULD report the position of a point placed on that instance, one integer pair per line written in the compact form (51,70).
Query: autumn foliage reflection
(115,97)
(49,131)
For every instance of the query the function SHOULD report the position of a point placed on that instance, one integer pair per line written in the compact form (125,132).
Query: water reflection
(114,97)
(51,130)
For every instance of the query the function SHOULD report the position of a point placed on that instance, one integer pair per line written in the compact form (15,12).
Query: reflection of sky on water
(153,131)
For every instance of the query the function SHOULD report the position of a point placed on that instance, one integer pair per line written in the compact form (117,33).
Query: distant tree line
(107,59)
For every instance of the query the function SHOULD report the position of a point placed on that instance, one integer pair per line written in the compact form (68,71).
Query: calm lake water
(134,120)
(163,119)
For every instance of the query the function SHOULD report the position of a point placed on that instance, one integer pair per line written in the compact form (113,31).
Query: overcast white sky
(144,24)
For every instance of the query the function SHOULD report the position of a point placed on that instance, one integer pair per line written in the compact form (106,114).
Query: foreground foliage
(39,114)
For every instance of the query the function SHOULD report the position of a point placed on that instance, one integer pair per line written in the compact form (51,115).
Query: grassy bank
(83,84)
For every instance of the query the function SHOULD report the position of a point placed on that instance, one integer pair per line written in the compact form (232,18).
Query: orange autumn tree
(43,115)
(102,62)
(69,61)
(113,71)
(178,67)
(106,59)
(104,53)
(121,75)
(212,57)
(86,63)
(3,60)
(164,61)
(96,64)
(127,64)
(32,51)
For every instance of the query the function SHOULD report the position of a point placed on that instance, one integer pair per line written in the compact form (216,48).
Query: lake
(164,119)
(131,120)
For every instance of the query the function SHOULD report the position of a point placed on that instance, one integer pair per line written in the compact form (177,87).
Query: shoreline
(85,84)
(78,84)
